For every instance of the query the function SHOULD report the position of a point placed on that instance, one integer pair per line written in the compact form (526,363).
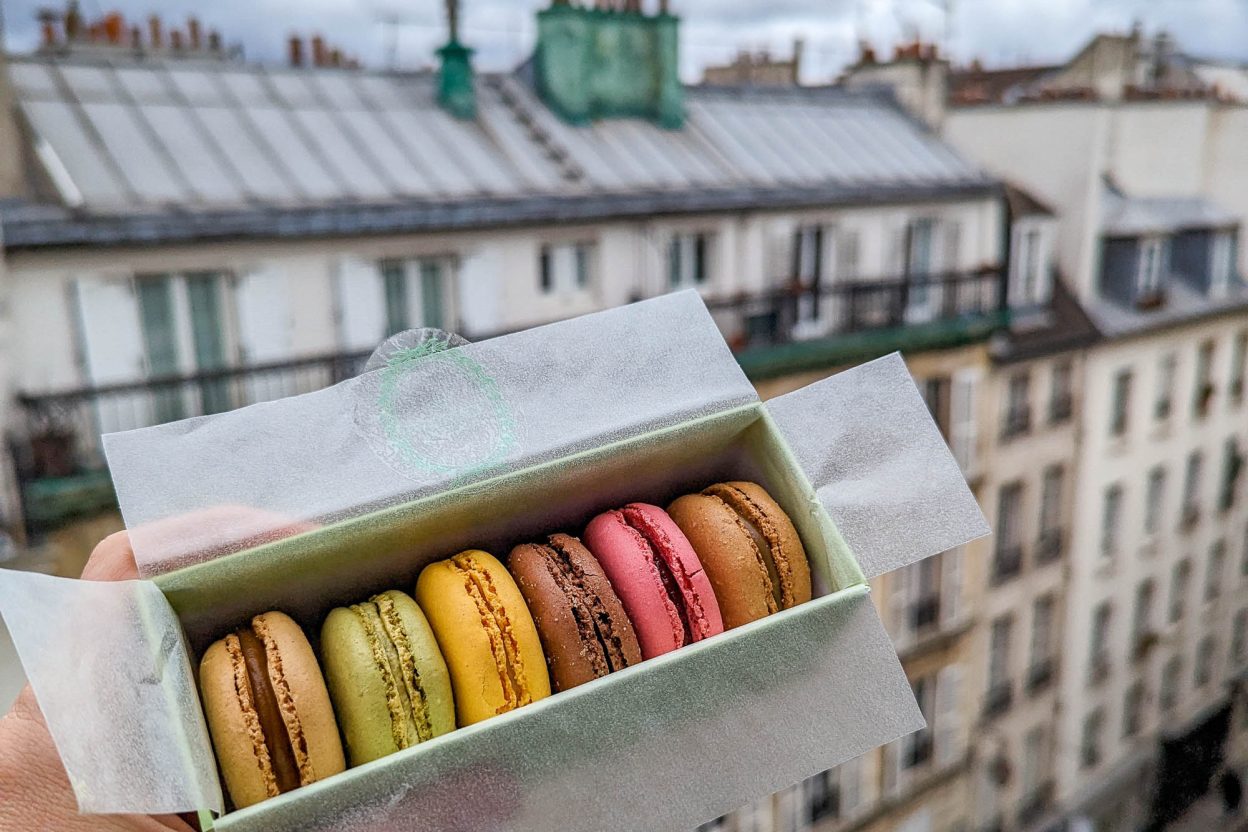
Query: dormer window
(1221,263)
(1154,252)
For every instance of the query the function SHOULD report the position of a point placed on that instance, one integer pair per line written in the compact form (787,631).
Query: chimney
(113,27)
(457,91)
(136,38)
(335,57)
(155,32)
(193,32)
(214,41)
(294,48)
(73,21)
(319,55)
(47,25)
(175,40)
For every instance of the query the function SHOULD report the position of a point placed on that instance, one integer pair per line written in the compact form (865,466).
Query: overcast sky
(997,31)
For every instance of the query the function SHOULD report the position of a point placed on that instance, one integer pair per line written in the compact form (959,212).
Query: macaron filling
(497,625)
(676,581)
(392,653)
(263,697)
(594,623)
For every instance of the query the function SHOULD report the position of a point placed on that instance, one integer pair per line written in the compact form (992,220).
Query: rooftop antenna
(391,21)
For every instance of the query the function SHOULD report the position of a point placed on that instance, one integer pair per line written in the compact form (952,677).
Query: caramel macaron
(749,548)
(268,710)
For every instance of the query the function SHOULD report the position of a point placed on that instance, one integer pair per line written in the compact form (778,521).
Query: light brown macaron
(268,711)
(748,547)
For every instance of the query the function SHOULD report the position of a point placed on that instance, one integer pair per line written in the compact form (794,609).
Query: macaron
(486,633)
(657,575)
(268,711)
(584,630)
(749,547)
(386,675)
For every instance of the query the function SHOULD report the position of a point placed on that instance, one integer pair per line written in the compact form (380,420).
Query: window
(1243,557)
(1040,671)
(1111,516)
(1213,573)
(1050,514)
(1204,661)
(1035,760)
(566,268)
(1142,623)
(1202,395)
(1008,557)
(182,330)
(1171,680)
(1239,354)
(1239,637)
(1061,397)
(916,748)
(1232,464)
(823,796)
(1179,582)
(1018,405)
(1155,505)
(1191,490)
(1090,744)
(687,265)
(1098,654)
(847,255)
(415,293)
(1153,262)
(999,664)
(1133,710)
(1028,260)
(1221,262)
(936,393)
(808,255)
(1166,370)
(1121,403)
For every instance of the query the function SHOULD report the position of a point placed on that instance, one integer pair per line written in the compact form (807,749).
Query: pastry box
(310,502)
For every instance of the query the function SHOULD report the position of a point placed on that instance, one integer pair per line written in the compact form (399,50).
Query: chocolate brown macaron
(584,630)
(748,547)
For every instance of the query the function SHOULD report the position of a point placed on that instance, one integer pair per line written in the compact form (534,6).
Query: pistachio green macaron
(386,676)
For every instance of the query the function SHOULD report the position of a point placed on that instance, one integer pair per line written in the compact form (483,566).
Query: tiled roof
(131,140)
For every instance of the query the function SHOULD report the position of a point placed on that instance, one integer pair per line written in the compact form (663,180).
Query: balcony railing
(800,313)
(60,436)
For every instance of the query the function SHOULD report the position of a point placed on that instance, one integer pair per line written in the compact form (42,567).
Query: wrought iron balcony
(839,314)
(57,448)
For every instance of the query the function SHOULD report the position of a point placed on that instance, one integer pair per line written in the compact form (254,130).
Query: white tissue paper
(430,419)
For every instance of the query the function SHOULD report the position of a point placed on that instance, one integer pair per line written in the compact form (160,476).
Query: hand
(34,789)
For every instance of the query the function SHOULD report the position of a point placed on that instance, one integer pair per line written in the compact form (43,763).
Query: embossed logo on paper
(427,407)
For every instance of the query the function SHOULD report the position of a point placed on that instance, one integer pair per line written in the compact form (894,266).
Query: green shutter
(432,300)
(395,278)
(673,263)
(160,344)
(204,297)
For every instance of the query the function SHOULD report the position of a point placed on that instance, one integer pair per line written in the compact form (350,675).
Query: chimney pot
(194,34)
(73,21)
(136,38)
(319,55)
(47,25)
(175,40)
(214,41)
(155,32)
(113,26)
(295,50)
(335,57)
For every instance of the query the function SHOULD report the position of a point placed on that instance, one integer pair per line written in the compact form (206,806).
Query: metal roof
(1127,216)
(171,145)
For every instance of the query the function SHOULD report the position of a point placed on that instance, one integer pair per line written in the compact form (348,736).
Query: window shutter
(964,431)
(111,338)
(781,253)
(897,255)
(265,327)
(948,720)
(951,585)
(361,304)
(893,770)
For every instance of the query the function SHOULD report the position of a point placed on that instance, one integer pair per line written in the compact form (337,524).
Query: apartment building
(1138,152)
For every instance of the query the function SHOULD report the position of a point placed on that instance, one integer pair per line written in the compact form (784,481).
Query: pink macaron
(657,575)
